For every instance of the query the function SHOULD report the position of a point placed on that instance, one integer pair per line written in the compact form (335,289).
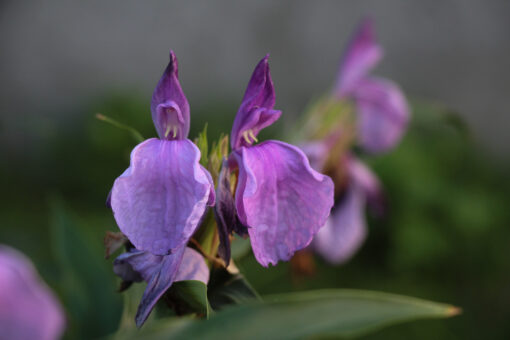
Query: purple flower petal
(169,106)
(165,273)
(362,54)
(256,110)
(160,272)
(383,114)
(345,229)
(160,198)
(28,309)
(281,199)
(193,267)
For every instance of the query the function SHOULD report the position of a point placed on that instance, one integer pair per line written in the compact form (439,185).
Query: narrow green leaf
(332,313)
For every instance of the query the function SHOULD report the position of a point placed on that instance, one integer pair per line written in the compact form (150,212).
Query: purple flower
(28,309)
(160,272)
(281,200)
(383,112)
(159,200)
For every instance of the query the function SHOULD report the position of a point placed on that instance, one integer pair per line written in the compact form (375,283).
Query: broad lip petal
(160,272)
(169,104)
(383,114)
(28,308)
(281,199)
(256,111)
(362,54)
(160,198)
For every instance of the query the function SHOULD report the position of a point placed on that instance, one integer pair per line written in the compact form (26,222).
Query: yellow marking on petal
(174,131)
(167,130)
(246,138)
(252,135)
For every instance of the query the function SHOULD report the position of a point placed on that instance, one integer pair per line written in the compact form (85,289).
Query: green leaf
(188,297)
(331,313)
(87,285)
(226,289)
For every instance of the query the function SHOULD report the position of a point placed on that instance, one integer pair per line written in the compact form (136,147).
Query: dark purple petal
(28,309)
(345,229)
(160,198)
(256,111)
(164,275)
(383,114)
(169,106)
(225,214)
(281,199)
(362,54)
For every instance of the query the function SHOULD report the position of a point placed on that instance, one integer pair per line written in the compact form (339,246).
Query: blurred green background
(444,238)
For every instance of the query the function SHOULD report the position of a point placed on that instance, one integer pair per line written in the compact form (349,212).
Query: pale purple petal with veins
(160,198)
(256,111)
(383,114)
(169,106)
(362,54)
(28,309)
(281,199)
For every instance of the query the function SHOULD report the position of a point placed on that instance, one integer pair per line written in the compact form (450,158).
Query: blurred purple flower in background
(382,109)
(160,199)
(281,200)
(382,115)
(28,309)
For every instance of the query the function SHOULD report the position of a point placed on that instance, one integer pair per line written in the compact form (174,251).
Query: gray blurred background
(57,55)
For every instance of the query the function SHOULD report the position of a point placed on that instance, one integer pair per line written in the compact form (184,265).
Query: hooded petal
(28,309)
(169,106)
(160,198)
(383,114)
(345,229)
(362,54)
(160,272)
(281,199)
(256,110)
